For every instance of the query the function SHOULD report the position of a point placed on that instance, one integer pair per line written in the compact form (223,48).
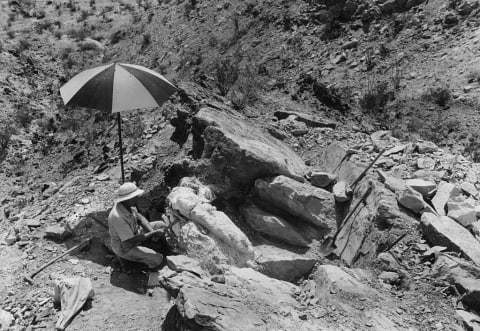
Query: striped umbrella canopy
(117,87)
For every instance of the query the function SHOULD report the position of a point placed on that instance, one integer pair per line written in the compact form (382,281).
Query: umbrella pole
(119,121)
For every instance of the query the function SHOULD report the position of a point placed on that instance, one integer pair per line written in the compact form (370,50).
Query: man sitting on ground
(129,229)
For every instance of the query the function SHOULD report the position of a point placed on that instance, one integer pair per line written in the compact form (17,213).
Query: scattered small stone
(57,232)
(218,279)
(340,192)
(303,316)
(10,238)
(32,223)
(102,177)
(426,147)
(321,179)
(389,277)
(85,201)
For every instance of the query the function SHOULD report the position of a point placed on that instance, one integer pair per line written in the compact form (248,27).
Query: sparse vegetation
(473,76)
(396,74)
(146,41)
(245,90)
(376,96)
(43,25)
(23,115)
(84,14)
(226,74)
(472,150)
(439,95)
(6,131)
(11,34)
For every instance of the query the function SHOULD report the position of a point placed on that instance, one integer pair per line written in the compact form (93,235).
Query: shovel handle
(30,276)
(364,172)
(352,211)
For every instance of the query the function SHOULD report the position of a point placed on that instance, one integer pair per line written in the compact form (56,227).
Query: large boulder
(332,279)
(272,226)
(248,300)
(462,210)
(424,187)
(183,200)
(241,151)
(444,231)
(321,179)
(282,264)
(308,203)
(464,275)
(337,160)
(222,226)
(411,199)
(262,288)
(201,309)
(376,224)
(196,208)
(193,242)
(445,192)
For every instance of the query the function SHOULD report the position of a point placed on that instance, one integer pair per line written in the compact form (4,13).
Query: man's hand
(153,233)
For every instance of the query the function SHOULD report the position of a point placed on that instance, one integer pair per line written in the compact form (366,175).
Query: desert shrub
(136,17)
(6,131)
(41,26)
(472,149)
(39,13)
(212,41)
(134,127)
(47,125)
(70,121)
(22,45)
(11,34)
(146,41)
(65,52)
(78,34)
(439,95)
(46,143)
(23,115)
(150,17)
(83,15)
(226,74)
(473,76)
(245,90)
(117,36)
(396,74)
(369,61)
(376,96)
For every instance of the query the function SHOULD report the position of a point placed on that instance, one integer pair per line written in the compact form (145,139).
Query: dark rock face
(240,151)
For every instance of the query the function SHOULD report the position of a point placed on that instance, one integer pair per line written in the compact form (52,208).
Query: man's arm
(144,223)
(140,238)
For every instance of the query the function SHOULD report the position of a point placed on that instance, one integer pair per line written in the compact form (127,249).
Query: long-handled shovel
(29,277)
(328,245)
(364,172)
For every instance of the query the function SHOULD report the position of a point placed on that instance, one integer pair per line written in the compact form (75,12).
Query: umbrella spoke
(157,86)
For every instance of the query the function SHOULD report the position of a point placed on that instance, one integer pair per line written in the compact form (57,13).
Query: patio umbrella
(117,87)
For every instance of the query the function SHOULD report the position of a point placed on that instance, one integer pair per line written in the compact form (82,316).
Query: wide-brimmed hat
(128,191)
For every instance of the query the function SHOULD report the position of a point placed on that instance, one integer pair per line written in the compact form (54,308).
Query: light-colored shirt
(122,226)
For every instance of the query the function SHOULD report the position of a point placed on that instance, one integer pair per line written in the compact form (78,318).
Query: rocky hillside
(254,164)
